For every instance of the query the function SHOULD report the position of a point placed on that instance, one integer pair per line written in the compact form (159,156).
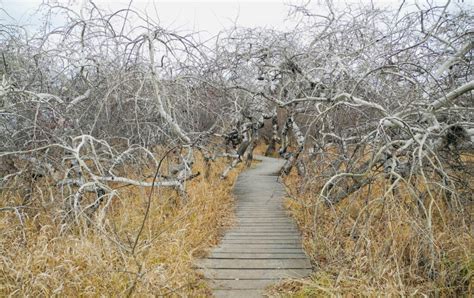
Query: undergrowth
(95,257)
(376,241)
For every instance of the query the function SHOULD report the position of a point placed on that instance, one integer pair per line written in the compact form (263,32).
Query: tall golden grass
(95,259)
(376,243)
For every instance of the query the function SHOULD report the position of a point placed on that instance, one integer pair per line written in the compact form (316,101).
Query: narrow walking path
(264,247)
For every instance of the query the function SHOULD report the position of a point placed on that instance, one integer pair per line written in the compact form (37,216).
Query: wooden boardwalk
(264,247)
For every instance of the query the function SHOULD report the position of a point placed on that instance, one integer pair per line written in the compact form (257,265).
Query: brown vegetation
(371,108)
(95,257)
(375,241)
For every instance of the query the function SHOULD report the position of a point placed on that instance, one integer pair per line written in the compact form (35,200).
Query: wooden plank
(264,224)
(248,236)
(263,228)
(254,263)
(251,237)
(256,273)
(275,226)
(238,246)
(253,195)
(263,209)
(274,206)
(241,255)
(261,215)
(265,215)
(264,221)
(249,215)
(238,293)
(261,241)
(263,206)
(266,230)
(252,204)
(259,203)
(248,249)
(268,203)
(252,232)
(242,182)
(267,221)
(260,198)
(257,232)
(247,223)
(248,226)
(262,212)
(264,218)
(253,192)
(241,284)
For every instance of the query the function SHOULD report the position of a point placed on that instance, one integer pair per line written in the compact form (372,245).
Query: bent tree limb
(452,95)
(293,157)
(275,139)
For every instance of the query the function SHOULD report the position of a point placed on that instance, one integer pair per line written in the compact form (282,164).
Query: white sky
(210,16)
(188,15)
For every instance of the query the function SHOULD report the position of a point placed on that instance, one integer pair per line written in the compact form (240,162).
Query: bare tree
(352,96)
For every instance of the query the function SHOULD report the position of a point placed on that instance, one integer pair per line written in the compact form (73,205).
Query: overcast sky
(186,15)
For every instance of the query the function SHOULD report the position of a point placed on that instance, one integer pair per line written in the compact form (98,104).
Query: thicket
(119,139)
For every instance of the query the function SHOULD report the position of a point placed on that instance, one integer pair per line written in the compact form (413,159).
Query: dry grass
(96,259)
(260,149)
(377,242)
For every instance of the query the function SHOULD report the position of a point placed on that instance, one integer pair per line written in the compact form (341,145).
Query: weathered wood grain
(250,274)
(255,264)
(264,246)
(253,255)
